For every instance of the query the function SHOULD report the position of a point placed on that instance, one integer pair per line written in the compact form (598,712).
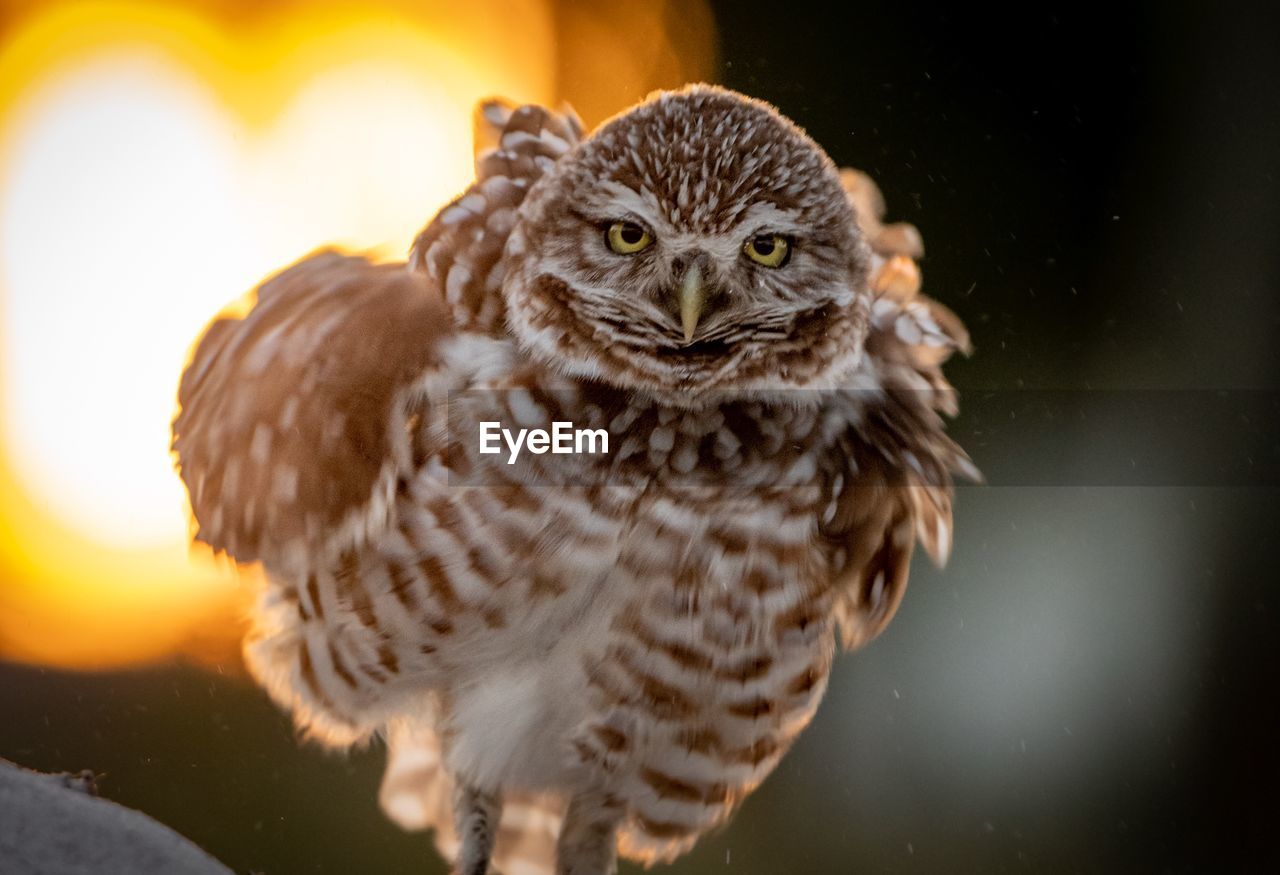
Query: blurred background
(1086,688)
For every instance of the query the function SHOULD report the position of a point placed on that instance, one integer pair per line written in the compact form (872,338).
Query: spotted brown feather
(291,429)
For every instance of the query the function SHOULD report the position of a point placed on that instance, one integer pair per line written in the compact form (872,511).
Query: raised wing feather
(290,434)
(292,424)
(895,485)
(461,248)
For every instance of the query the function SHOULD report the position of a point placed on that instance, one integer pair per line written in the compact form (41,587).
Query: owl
(585,654)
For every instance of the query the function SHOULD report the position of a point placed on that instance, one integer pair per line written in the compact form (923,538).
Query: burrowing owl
(611,658)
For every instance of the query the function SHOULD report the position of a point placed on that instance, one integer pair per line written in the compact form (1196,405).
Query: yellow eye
(627,238)
(771,250)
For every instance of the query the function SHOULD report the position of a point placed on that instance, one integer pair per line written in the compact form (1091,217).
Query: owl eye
(627,238)
(771,250)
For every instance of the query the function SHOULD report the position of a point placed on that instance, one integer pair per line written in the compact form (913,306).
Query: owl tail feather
(417,794)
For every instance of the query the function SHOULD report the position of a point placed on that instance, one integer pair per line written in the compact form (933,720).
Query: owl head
(696,245)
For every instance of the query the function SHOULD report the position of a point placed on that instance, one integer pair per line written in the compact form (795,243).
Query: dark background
(1088,686)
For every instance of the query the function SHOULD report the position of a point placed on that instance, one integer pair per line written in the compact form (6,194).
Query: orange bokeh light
(157,159)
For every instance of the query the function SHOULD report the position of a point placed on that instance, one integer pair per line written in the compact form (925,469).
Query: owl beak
(693,297)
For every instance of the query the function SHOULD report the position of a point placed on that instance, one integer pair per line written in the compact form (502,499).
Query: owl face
(698,244)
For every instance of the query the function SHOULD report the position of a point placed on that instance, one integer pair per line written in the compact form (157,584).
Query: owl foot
(588,843)
(476,815)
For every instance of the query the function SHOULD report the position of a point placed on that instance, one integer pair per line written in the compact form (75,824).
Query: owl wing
(893,484)
(293,421)
(292,425)
(461,248)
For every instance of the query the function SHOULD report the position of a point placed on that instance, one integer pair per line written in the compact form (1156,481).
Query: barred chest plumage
(655,619)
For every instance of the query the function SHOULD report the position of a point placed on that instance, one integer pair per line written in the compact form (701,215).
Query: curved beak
(693,297)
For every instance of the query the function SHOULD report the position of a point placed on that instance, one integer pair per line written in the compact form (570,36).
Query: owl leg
(476,815)
(588,843)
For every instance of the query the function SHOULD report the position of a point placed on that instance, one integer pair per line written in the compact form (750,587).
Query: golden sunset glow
(155,163)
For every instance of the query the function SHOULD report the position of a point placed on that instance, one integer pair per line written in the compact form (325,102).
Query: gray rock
(56,825)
